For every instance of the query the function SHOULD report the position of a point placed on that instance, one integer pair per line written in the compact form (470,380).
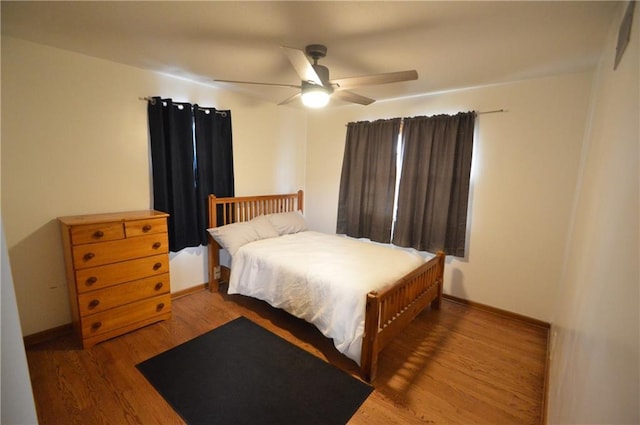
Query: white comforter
(320,278)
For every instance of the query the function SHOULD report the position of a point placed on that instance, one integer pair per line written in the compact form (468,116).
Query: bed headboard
(238,209)
(243,208)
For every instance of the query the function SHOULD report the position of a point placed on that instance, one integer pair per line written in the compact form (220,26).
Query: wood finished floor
(458,365)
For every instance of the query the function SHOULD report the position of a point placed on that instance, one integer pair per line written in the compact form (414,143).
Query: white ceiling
(452,45)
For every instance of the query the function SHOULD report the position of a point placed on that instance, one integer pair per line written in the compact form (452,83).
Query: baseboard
(189,291)
(47,335)
(59,331)
(505,313)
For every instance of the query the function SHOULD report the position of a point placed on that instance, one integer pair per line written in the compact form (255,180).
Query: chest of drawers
(117,267)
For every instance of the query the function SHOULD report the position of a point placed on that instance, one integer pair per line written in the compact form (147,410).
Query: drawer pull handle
(157,245)
(91,280)
(158,286)
(159,306)
(94,303)
(95,326)
(157,266)
(98,234)
(146,228)
(88,256)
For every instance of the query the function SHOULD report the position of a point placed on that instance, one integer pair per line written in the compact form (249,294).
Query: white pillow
(232,236)
(288,222)
(263,227)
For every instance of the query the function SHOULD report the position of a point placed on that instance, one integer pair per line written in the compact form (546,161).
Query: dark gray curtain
(367,185)
(434,183)
(214,160)
(172,158)
(192,156)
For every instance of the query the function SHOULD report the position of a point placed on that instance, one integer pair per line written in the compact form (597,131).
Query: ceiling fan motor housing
(316,51)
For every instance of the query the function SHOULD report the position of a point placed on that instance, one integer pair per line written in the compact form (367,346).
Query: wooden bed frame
(387,313)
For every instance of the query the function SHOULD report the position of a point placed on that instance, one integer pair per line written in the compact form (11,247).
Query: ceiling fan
(316,87)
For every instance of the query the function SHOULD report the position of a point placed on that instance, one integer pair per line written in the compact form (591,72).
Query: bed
(399,287)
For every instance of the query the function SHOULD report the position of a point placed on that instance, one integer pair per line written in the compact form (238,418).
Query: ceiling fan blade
(261,84)
(290,99)
(352,97)
(367,80)
(302,65)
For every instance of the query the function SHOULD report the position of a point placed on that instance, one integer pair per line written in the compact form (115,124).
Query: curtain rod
(150,99)
(477,113)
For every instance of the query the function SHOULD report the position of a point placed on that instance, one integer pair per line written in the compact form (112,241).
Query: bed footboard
(388,312)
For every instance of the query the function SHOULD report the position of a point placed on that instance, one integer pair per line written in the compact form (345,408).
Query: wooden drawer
(90,233)
(93,278)
(120,317)
(145,227)
(93,302)
(91,255)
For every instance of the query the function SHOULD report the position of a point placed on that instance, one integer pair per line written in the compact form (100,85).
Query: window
(427,208)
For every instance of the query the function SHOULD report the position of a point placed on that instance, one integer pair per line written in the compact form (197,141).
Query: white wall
(524,171)
(75,141)
(595,373)
(17,405)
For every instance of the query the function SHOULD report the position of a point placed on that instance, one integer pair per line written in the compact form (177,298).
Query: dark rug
(240,373)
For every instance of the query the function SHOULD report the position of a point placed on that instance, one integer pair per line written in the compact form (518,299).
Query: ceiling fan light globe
(315,97)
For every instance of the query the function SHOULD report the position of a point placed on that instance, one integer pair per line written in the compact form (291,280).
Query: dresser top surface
(111,217)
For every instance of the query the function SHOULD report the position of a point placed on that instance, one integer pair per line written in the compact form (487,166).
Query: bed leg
(213,253)
(214,286)
(437,302)
(369,355)
(214,281)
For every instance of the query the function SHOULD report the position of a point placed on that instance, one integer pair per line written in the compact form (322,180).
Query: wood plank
(456,365)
